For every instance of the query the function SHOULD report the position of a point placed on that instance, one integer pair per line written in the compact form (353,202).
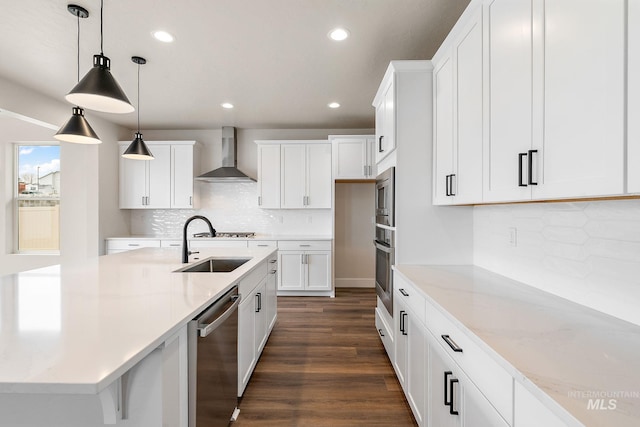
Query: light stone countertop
(256,237)
(75,329)
(547,343)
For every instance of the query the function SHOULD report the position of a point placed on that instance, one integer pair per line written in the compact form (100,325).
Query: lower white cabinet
(304,267)
(410,356)
(115,246)
(453,399)
(257,314)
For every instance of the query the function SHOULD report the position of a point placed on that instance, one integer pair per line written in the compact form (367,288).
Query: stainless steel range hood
(229,171)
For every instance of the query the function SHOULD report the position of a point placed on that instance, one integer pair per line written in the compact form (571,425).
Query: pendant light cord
(101,38)
(78,59)
(138,98)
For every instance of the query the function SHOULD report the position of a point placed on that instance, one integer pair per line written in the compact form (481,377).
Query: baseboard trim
(355,283)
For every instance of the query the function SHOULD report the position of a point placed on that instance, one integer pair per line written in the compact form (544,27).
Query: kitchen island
(104,342)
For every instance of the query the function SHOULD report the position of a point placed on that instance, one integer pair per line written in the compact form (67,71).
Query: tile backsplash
(588,252)
(231,207)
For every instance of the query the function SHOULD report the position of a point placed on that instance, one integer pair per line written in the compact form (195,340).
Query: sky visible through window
(37,161)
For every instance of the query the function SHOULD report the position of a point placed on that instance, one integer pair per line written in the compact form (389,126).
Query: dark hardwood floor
(324,365)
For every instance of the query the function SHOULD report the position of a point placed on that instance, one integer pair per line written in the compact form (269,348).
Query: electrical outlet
(513,236)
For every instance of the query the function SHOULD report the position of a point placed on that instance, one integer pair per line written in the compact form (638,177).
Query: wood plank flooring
(324,365)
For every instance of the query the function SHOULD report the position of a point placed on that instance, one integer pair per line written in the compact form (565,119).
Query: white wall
(587,252)
(354,253)
(89,183)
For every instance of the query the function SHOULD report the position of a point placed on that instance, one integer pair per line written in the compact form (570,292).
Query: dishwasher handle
(205,330)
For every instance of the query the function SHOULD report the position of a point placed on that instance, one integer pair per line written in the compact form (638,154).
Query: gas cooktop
(240,234)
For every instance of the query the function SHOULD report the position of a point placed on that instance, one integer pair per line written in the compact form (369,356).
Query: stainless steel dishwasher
(213,363)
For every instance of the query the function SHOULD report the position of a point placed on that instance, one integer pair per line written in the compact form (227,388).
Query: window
(38,198)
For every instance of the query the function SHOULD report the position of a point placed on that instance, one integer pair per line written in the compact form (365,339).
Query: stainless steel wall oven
(385,258)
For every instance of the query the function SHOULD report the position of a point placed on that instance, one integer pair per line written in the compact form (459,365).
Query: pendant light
(138,150)
(77,129)
(99,90)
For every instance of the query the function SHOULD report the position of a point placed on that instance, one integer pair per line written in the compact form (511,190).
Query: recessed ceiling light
(163,36)
(334,105)
(227,105)
(338,34)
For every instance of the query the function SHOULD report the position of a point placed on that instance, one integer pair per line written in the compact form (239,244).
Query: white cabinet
(410,353)
(299,178)
(304,267)
(162,183)
(633,98)
(555,112)
(255,320)
(530,412)
(269,176)
(271,292)
(353,157)
(305,180)
(458,115)
(454,400)
(115,246)
(384,103)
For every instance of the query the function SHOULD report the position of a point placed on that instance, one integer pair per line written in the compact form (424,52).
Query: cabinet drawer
(304,245)
(217,244)
(384,331)
(263,244)
(492,380)
(405,291)
(173,243)
(130,244)
(250,281)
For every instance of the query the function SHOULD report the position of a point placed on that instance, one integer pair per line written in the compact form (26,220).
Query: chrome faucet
(185,249)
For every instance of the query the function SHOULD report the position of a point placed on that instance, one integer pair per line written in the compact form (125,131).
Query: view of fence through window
(38,198)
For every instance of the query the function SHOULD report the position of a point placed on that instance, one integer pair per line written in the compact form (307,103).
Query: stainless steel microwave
(385,197)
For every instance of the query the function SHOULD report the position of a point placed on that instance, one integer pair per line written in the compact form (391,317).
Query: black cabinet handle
(520,156)
(531,167)
(446,383)
(404,323)
(452,411)
(451,191)
(403,292)
(380,150)
(380,332)
(258,302)
(403,326)
(446,185)
(451,343)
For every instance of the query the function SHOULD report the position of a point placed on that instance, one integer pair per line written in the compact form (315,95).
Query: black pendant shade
(77,130)
(138,150)
(98,90)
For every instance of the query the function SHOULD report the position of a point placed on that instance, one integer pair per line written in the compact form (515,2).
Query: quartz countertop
(570,352)
(77,328)
(256,237)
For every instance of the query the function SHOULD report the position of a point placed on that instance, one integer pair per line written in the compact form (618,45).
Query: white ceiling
(271,58)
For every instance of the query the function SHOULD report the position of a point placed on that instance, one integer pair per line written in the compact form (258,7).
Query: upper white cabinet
(633,98)
(458,113)
(302,171)
(384,103)
(161,183)
(555,117)
(269,176)
(353,156)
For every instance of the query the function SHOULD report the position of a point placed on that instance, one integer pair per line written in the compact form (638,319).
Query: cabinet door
(416,367)
(401,341)
(133,182)
(440,374)
(633,109)
(443,130)
(182,176)
(269,176)
(380,131)
(582,153)
(476,411)
(271,300)
(389,140)
(260,304)
(318,179)
(291,271)
(246,342)
(372,170)
(508,130)
(466,181)
(350,158)
(159,177)
(293,176)
(318,270)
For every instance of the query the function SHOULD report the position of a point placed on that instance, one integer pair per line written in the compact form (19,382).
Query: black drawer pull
(451,343)
(380,332)
(446,383)
(520,156)
(452,411)
(403,292)
(531,167)
(380,150)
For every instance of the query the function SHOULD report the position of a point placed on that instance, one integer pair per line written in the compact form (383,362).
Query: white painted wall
(354,253)
(89,199)
(587,252)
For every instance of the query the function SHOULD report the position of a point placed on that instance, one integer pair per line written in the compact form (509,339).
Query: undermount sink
(214,265)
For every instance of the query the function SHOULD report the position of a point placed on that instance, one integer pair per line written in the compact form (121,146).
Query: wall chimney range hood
(229,171)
